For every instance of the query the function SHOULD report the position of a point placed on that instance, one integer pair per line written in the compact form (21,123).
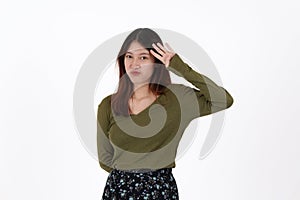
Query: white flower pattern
(158,184)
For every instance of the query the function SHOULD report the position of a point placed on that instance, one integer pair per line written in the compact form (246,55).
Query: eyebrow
(139,53)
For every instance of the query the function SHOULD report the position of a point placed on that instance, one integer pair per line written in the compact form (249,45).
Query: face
(139,64)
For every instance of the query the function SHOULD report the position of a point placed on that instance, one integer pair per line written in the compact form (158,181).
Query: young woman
(140,126)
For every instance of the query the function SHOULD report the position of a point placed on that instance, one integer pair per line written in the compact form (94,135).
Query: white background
(255,46)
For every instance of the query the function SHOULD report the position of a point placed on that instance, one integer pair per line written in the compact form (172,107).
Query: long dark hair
(159,79)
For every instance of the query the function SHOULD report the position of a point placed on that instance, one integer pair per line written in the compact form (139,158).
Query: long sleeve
(208,96)
(104,147)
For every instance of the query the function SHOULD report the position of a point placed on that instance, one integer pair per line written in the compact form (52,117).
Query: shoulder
(106,101)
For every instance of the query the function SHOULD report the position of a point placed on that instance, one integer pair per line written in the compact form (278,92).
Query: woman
(140,126)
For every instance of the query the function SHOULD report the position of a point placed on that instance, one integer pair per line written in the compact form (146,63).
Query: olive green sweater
(150,138)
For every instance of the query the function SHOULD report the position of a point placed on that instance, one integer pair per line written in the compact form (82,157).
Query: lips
(135,73)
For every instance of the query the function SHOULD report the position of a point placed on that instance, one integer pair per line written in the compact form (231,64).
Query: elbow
(229,100)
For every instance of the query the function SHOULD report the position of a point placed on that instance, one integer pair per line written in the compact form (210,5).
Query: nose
(135,63)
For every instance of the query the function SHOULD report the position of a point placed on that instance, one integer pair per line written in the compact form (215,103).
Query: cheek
(149,69)
(126,65)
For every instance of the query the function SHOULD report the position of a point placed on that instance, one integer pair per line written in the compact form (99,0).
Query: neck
(141,91)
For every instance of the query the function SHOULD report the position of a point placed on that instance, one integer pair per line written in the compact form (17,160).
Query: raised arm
(207,95)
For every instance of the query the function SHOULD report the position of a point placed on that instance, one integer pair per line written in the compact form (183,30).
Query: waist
(144,170)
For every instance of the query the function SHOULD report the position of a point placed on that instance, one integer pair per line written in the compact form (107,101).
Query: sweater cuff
(105,167)
(177,66)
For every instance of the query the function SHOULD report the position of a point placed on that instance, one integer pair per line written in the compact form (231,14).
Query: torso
(138,106)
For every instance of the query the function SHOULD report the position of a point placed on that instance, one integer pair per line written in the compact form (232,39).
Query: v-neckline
(132,114)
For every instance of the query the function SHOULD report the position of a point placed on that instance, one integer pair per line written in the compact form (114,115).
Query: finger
(162,47)
(158,49)
(169,47)
(159,57)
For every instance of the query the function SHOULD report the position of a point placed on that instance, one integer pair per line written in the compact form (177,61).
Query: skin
(139,59)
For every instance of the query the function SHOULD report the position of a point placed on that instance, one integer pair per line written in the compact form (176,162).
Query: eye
(144,58)
(128,56)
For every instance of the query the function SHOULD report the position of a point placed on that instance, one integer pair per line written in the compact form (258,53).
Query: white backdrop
(255,46)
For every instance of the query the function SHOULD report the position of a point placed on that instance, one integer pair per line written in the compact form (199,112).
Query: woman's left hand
(165,55)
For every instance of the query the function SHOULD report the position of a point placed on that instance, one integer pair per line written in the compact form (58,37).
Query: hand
(165,55)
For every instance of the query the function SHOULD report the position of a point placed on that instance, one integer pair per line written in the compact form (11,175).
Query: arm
(104,147)
(210,97)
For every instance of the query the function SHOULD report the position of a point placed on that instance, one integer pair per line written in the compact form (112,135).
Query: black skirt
(158,184)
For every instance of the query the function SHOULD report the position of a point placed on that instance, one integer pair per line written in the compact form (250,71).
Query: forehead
(136,47)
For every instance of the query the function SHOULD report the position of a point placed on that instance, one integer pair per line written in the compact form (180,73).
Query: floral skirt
(158,184)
